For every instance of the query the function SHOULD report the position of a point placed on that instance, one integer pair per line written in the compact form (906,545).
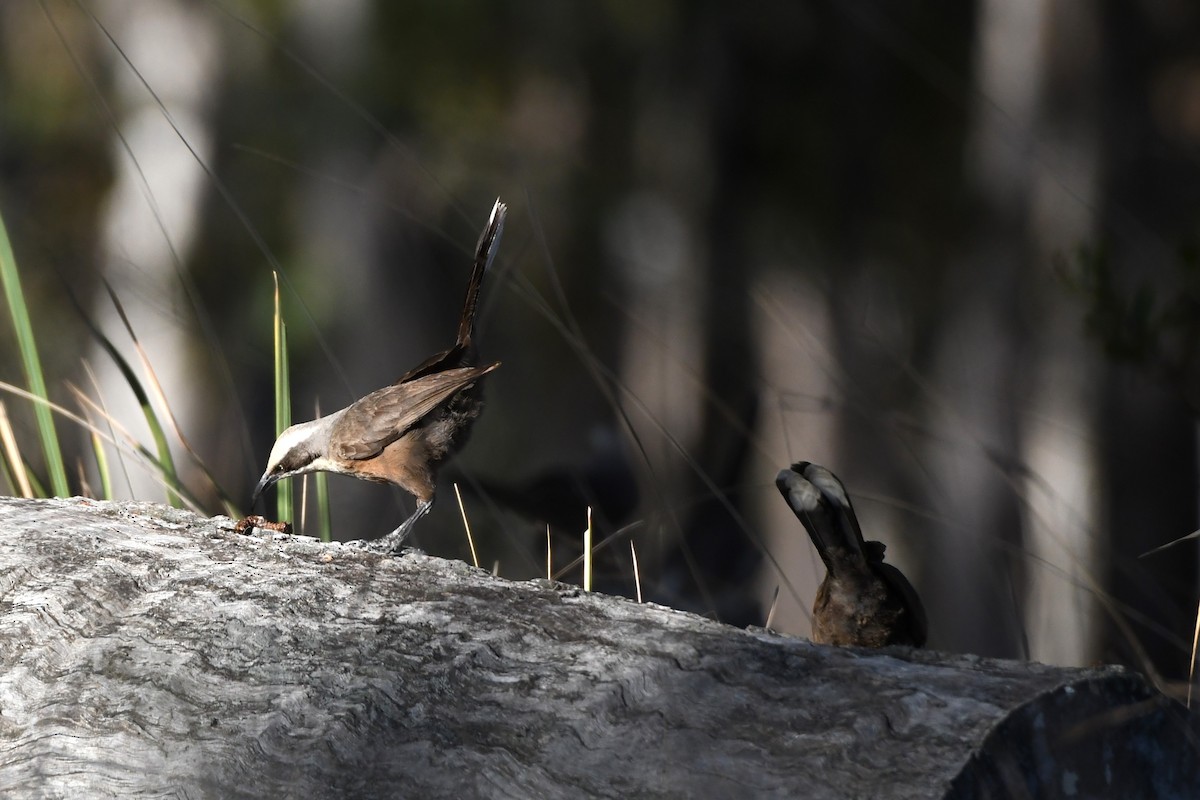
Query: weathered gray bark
(146,652)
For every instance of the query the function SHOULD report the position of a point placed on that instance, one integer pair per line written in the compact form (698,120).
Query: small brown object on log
(258,521)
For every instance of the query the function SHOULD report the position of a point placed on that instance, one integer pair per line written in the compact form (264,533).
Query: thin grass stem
(1192,663)
(771,612)
(13,454)
(467,525)
(637,573)
(587,553)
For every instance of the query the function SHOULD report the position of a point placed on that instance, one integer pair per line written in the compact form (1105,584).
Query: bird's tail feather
(819,501)
(485,253)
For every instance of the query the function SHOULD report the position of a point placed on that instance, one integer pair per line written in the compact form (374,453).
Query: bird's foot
(391,543)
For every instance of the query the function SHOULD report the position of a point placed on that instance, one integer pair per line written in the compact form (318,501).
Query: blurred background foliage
(949,251)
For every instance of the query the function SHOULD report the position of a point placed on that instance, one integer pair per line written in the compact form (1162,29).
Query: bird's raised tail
(461,354)
(819,501)
(485,253)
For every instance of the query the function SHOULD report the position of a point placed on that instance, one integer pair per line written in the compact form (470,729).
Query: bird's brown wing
(918,623)
(375,421)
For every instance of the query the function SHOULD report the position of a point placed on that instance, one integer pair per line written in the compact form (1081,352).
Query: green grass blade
(106,491)
(324,513)
(32,364)
(9,481)
(283,403)
(165,460)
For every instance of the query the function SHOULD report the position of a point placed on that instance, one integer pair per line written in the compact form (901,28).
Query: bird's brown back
(373,422)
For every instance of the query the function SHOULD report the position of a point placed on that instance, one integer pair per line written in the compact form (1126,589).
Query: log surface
(147,652)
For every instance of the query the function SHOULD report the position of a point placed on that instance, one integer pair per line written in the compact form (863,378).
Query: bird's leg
(392,542)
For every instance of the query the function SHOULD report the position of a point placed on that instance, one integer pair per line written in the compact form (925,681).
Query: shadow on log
(148,652)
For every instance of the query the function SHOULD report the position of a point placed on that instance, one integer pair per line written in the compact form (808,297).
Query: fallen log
(148,652)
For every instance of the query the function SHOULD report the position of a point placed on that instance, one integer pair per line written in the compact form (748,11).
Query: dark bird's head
(299,449)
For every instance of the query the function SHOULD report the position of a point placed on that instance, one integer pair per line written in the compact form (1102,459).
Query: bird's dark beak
(266,481)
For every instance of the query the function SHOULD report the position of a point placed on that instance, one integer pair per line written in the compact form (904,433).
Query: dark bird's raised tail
(862,601)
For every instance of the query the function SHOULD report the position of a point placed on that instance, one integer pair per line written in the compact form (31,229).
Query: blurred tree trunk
(900,186)
(976,372)
(1059,477)
(152,218)
(719,543)
(1150,443)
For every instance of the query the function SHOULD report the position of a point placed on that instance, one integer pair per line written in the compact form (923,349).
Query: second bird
(862,602)
(401,433)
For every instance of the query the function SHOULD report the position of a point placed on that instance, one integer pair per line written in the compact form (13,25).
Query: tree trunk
(148,652)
